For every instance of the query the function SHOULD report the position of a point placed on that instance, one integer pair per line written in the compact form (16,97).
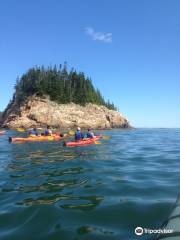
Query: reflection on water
(93,192)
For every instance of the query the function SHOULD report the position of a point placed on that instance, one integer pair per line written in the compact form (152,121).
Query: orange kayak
(54,137)
(87,141)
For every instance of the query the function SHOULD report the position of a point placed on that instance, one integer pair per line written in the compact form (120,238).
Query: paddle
(71,133)
(106,137)
(103,137)
(29,129)
(20,129)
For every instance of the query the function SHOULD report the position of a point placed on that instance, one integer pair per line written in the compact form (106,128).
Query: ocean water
(51,192)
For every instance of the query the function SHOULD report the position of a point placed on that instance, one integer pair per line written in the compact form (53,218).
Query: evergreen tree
(60,85)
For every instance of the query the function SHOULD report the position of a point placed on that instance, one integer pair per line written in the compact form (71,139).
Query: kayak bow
(172,224)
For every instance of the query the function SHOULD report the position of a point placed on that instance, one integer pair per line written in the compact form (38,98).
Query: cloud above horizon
(98,36)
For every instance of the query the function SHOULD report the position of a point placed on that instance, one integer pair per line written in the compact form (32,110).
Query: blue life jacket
(33,132)
(78,136)
(46,132)
(89,135)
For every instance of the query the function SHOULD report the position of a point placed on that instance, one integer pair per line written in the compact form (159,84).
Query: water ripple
(94,192)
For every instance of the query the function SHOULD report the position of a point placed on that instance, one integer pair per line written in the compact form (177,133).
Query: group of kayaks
(55,137)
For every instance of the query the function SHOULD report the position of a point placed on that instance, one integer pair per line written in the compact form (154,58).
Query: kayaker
(90,133)
(78,134)
(48,131)
(33,132)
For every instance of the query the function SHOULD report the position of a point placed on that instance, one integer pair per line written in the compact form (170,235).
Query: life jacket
(89,135)
(33,132)
(78,136)
(46,132)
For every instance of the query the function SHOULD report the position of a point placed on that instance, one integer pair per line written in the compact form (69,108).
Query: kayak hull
(85,142)
(172,224)
(36,138)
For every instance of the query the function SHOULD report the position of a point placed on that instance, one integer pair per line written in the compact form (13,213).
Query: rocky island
(59,98)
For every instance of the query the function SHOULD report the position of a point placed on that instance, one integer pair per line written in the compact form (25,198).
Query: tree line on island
(61,85)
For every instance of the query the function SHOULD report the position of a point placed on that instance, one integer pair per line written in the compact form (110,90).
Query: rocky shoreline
(40,112)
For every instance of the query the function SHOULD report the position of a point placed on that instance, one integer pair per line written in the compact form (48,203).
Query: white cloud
(98,36)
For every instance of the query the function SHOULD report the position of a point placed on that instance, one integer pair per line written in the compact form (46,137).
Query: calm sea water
(102,191)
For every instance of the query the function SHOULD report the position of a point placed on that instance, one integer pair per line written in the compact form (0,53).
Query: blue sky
(130,49)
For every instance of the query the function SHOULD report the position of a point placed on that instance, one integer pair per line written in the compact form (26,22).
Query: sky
(130,49)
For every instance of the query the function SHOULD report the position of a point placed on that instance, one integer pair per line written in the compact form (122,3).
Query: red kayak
(2,132)
(83,142)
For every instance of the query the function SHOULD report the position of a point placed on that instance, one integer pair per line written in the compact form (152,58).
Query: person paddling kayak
(48,131)
(78,134)
(33,132)
(90,133)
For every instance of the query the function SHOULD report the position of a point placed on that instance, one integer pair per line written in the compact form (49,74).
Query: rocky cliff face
(41,112)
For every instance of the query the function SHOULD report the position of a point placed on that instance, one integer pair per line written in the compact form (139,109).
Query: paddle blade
(31,135)
(97,142)
(106,137)
(72,133)
(20,129)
